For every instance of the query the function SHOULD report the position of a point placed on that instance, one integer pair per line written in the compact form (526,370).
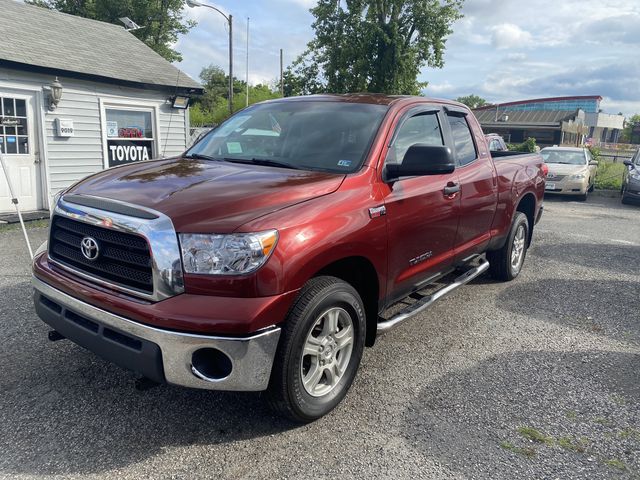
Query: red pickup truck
(267,256)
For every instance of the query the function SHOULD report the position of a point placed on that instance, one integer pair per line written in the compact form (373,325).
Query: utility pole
(247,72)
(281,76)
(230,64)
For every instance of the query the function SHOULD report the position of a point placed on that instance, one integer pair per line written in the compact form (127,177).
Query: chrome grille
(124,258)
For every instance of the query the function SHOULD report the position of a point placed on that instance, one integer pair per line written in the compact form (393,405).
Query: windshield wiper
(200,156)
(261,161)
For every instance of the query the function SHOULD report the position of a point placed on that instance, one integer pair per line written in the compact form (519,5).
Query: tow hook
(143,384)
(54,336)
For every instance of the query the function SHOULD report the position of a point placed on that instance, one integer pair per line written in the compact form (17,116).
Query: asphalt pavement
(537,378)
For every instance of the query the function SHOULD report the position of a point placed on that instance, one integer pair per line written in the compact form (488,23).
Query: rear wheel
(320,350)
(505,264)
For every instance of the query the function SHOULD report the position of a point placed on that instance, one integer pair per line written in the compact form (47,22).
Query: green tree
(373,45)
(627,135)
(212,107)
(162,20)
(472,101)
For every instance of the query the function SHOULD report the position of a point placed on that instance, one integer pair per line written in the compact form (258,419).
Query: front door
(17,143)
(422,220)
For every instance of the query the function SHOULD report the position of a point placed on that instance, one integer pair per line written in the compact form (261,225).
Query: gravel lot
(537,378)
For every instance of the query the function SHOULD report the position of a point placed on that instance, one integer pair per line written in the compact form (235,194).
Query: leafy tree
(161,20)
(627,135)
(472,101)
(373,45)
(212,107)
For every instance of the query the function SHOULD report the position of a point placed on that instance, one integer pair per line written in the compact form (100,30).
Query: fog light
(211,364)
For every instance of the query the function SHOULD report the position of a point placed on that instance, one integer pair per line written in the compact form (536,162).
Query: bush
(609,176)
(528,146)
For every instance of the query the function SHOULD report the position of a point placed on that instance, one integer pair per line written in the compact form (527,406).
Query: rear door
(478,184)
(422,220)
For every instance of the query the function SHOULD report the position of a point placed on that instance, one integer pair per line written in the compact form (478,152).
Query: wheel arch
(360,273)
(527,205)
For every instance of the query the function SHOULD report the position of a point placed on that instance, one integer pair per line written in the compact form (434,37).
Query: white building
(116,104)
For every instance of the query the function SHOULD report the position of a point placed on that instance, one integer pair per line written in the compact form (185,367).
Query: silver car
(572,171)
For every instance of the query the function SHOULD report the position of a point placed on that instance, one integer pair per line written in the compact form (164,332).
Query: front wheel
(320,350)
(505,264)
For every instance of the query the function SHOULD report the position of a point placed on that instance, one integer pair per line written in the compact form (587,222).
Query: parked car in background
(496,142)
(572,171)
(631,180)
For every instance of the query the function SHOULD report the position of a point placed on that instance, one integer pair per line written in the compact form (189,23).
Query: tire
(582,197)
(625,200)
(308,323)
(592,187)
(500,261)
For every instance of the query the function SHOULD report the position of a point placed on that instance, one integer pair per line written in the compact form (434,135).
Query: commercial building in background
(78,96)
(552,121)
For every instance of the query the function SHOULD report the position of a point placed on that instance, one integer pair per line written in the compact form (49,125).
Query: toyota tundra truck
(269,254)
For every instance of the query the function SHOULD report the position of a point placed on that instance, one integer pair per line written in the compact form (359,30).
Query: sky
(502,50)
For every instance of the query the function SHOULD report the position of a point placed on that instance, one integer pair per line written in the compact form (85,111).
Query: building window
(14,137)
(130,135)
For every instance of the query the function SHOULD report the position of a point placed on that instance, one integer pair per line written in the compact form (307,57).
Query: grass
(602,421)
(571,414)
(615,463)
(534,435)
(609,176)
(7,227)
(572,444)
(630,433)
(527,451)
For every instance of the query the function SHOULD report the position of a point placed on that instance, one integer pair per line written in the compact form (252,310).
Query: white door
(18,145)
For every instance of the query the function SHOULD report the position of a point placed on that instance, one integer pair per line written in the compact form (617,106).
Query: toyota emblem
(89,248)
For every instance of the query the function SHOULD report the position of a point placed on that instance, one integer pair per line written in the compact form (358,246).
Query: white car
(572,171)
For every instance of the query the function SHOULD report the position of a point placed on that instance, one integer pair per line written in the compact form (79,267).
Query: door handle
(451,189)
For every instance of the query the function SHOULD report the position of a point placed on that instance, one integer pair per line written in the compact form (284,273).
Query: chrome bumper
(251,357)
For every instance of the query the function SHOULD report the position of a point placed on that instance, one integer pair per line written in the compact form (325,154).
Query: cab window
(423,128)
(462,140)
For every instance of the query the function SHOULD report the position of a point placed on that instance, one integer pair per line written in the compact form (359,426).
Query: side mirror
(593,163)
(422,160)
(629,163)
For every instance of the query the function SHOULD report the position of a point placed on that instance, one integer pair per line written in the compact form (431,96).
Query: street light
(229,19)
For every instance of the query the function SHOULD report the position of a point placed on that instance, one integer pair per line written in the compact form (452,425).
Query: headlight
(634,173)
(579,176)
(226,254)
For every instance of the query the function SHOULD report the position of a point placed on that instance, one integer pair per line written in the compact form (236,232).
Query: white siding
(70,159)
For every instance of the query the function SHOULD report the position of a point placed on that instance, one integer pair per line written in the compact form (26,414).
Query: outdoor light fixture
(229,19)
(180,101)
(55,94)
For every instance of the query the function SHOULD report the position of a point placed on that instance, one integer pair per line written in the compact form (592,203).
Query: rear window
(462,139)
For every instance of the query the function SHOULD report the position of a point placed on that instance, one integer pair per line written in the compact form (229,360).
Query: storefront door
(17,142)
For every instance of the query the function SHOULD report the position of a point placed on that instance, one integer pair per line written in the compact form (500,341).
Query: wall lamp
(55,94)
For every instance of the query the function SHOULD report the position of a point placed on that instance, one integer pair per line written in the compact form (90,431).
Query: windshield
(309,135)
(568,157)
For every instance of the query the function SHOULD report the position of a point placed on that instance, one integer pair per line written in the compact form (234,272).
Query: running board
(428,300)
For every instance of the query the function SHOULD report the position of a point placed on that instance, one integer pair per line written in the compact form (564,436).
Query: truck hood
(203,196)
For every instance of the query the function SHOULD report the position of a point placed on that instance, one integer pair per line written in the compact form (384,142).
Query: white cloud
(509,35)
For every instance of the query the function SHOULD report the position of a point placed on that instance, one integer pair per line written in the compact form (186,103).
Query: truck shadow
(64,410)
(470,419)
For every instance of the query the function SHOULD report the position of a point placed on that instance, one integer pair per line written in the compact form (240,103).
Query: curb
(606,193)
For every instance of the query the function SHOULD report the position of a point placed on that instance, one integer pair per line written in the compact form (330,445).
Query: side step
(428,300)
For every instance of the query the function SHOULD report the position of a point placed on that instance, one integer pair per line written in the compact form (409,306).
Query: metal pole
(14,200)
(281,76)
(247,73)
(230,64)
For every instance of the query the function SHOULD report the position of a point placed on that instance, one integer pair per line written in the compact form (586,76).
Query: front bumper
(160,355)
(568,187)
